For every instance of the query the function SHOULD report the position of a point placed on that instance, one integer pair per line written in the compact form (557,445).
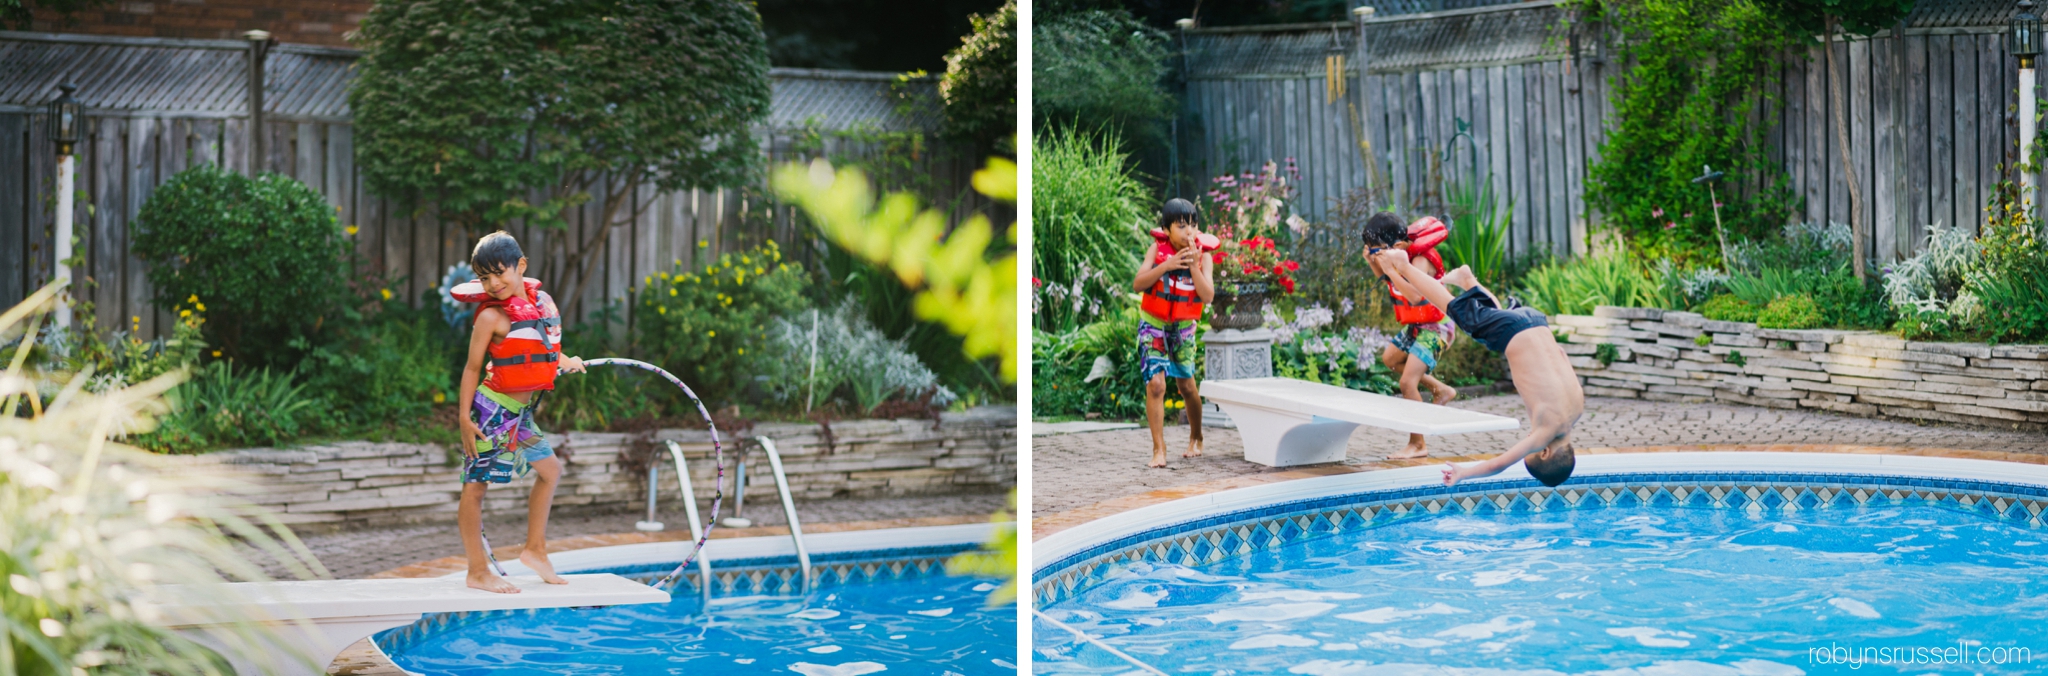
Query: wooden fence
(122,159)
(1930,112)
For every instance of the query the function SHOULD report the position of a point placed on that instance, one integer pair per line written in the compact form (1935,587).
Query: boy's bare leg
(1191,393)
(547,474)
(1411,378)
(1444,392)
(470,519)
(1394,358)
(1463,277)
(1155,415)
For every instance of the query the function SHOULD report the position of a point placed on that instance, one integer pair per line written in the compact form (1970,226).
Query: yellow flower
(647,281)
(351,231)
(700,244)
(184,313)
(743,350)
(387,294)
(440,398)
(759,271)
(710,334)
(216,354)
(202,307)
(744,260)
(671,292)
(663,309)
(193,299)
(136,319)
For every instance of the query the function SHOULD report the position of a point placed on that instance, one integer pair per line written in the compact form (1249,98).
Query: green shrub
(851,355)
(1727,308)
(1575,287)
(1089,218)
(980,84)
(389,364)
(1606,353)
(1932,280)
(1790,312)
(710,328)
(219,408)
(265,254)
(1479,230)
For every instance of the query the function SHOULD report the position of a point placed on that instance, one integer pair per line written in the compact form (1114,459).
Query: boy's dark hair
(1176,210)
(1551,468)
(1385,229)
(494,253)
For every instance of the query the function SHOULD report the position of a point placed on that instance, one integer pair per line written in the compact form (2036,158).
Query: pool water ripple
(1607,590)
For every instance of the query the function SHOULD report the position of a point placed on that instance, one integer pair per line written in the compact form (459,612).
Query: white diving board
(1286,422)
(342,612)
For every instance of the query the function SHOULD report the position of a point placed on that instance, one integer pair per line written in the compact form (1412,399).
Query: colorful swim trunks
(1165,347)
(514,442)
(1426,341)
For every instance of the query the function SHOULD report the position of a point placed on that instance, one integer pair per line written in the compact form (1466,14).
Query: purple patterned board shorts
(515,443)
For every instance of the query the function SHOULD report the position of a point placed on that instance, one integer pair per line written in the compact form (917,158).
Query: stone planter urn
(1237,346)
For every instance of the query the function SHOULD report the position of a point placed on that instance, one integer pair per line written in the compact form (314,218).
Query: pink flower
(1657,212)
(1688,214)
(1717,205)
(1670,225)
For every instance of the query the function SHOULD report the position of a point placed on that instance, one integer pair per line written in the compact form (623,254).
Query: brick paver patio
(1075,471)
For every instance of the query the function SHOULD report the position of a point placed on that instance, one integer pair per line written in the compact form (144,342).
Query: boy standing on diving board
(516,349)
(1541,371)
(1174,278)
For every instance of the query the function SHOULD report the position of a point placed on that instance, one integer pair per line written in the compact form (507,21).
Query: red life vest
(1423,236)
(525,359)
(1173,298)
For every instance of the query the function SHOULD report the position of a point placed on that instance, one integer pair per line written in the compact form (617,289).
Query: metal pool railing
(796,530)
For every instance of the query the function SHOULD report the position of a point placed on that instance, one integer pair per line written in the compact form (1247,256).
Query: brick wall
(1658,357)
(361,483)
(309,22)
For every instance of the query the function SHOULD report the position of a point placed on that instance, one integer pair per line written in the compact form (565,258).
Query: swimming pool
(1670,563)
(870,610)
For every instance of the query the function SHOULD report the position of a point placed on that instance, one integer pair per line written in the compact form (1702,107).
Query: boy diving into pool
(1541,371)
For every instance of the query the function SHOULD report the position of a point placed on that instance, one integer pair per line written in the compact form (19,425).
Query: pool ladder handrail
(796,530)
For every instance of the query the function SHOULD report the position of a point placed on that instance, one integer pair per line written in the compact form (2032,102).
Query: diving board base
(1276,438)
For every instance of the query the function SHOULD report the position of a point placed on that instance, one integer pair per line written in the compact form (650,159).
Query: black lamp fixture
(2026,34)
(65,112)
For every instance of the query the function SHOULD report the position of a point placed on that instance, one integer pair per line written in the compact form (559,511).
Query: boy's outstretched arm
(490,322)
(1539,437)
(1403,271)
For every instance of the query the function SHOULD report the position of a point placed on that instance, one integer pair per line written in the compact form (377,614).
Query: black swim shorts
(1478,316)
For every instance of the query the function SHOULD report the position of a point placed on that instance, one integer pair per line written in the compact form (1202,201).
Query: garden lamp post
(2026,44)
(65,114)
(1708,176)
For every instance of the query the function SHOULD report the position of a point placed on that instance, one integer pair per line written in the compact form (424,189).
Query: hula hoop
(717,454)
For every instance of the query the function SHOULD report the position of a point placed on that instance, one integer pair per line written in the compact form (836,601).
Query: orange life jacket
(1423,237)
(1173,298)
(525,359)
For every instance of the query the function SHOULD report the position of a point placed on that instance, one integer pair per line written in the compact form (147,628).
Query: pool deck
(1081,477)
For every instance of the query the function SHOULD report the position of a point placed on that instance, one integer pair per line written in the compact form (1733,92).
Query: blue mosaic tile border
(1211,539)
(759,575)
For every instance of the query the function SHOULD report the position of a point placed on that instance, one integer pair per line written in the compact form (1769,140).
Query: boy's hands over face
(571,365)
(1393,256)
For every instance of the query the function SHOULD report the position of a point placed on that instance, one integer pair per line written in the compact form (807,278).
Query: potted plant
(1250,266)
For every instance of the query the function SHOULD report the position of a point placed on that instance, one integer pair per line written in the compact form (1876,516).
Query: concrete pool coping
(1058,536)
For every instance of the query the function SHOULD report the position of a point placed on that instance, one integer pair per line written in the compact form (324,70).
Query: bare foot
(1194,448)
(1158,458)
(1445,394)
(1461,277)
(490,582)
(1410,452)
(539,563)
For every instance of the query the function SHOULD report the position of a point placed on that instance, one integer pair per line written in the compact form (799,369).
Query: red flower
(1287,283)
(1036,283)
(1290,266)
(1219,257)
(1253,269)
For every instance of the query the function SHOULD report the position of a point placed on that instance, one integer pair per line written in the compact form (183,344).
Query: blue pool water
(1620,590)
(934,625)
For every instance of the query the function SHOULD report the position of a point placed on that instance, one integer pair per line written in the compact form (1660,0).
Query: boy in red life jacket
(518,335)
(1425,331)
(1174,278)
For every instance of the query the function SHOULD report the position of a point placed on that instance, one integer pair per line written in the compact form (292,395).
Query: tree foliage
(980,84)
(267,255)
(500,110)
(1699,68)
(1100,69)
